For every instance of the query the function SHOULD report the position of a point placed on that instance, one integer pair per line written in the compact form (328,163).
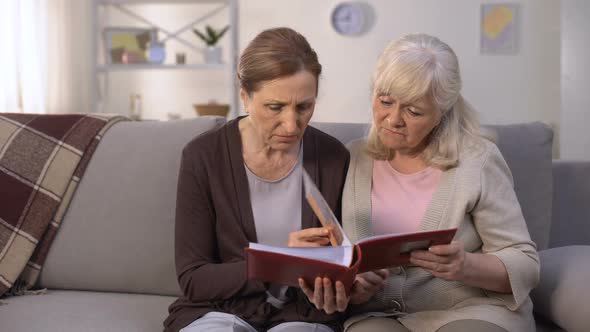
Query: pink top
(399,200)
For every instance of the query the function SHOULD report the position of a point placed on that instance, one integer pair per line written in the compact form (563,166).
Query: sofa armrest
(570,223)
(563,295)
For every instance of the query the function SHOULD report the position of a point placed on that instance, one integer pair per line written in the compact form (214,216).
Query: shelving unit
(102,70)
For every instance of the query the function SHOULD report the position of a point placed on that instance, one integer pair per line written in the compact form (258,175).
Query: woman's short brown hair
(276,53)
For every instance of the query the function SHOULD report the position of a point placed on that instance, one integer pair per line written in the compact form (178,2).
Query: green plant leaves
(211,36)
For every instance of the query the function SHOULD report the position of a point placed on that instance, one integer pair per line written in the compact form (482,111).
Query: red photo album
(340,261)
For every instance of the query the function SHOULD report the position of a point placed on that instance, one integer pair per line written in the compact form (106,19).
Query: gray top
(276,205)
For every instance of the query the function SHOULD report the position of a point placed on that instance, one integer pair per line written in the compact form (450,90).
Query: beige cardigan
(478,197)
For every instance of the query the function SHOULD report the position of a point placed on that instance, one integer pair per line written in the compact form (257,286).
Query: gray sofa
(111,267)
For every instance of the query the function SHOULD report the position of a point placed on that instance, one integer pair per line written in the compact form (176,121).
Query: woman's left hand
(447,261)
(333,298)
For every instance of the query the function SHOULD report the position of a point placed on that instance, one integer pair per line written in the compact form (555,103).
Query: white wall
(505,89)
(575,79)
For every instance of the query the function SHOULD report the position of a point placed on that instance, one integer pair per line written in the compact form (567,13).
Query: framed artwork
(500,25)
(127,45)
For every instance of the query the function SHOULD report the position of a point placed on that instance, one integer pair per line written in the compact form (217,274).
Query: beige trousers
(390,324)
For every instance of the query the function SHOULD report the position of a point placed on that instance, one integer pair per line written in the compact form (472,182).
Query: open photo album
(342,260)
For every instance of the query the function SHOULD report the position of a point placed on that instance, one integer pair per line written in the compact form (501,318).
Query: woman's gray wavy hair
(421,67)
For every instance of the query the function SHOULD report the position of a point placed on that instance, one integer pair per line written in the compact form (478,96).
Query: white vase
(213,54)
(156,53)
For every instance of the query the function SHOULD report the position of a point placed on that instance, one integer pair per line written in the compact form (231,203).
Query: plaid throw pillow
(42,158)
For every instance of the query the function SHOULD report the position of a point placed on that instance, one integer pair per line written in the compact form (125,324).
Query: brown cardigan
(214,223)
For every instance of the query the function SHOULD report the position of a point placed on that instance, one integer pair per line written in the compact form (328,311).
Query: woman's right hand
(309,237)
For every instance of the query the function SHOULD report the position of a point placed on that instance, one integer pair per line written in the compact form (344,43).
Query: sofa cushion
(344,132)
(118,234)
(84,311)
(571,213)
(562,294)
(527,150)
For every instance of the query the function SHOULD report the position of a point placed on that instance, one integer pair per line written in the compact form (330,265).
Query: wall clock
(349,18)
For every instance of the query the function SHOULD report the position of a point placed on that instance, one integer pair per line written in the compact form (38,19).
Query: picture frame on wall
(127,45)
(500,28)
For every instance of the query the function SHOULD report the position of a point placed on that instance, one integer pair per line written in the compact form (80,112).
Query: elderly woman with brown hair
(425,165)
(242,183)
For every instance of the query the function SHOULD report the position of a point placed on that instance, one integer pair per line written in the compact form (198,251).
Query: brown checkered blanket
(42,158)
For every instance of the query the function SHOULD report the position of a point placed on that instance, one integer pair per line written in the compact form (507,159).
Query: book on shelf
(342,260)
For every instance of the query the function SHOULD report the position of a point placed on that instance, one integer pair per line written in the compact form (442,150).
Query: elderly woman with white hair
(426,165)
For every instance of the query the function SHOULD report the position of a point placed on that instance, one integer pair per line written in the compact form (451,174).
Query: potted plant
(211,37)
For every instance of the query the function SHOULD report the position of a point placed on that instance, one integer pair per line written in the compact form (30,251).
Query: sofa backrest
(118,234)
(527,150)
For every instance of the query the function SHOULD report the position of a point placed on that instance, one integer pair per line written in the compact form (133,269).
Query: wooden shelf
(130,67)
(164,2)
